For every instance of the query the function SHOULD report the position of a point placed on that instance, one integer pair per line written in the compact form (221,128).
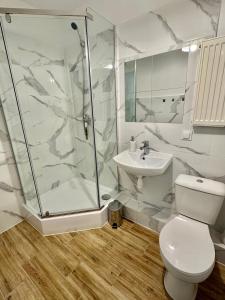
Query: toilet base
(178,289)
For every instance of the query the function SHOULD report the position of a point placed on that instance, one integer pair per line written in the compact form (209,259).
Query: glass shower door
(48,62)
(101,37)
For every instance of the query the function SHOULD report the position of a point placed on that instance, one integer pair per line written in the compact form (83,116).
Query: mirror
(155,88)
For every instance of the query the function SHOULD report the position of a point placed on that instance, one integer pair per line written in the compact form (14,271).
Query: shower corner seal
(66,223)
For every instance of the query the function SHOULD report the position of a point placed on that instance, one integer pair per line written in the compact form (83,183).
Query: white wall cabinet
(209,107)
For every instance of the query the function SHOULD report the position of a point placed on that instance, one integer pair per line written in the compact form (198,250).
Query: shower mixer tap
(86,122)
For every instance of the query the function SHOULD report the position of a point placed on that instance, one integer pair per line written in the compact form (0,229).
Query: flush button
(199,180)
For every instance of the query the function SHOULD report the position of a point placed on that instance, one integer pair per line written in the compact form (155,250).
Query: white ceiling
(116,11)
(14,3)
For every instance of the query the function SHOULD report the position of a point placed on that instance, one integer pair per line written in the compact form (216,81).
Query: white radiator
(210,97)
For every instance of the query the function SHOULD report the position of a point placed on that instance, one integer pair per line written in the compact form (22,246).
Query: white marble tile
(126,130)
(157,190)
(130,210)
(221,27)
(201,165)
(11,197)
(10,210)
(173,24)
(217,142)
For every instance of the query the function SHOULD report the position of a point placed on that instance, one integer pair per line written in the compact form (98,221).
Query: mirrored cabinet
(155,88)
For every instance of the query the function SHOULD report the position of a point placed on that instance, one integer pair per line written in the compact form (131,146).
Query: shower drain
(106,197)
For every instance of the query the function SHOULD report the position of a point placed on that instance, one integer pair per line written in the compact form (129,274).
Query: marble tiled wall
(102,57)
(53,85)
(101,45)
(168,28)
(11,197)
(10,190)
(79,87)
(47,108)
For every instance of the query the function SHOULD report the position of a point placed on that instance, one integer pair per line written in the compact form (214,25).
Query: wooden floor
(96,264)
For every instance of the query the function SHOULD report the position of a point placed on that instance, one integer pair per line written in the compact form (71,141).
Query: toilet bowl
(188,254)
(186,246)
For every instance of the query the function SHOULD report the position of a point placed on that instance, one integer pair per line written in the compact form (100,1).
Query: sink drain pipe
(140,183)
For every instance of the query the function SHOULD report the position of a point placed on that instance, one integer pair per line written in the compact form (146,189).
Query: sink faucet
(146,149)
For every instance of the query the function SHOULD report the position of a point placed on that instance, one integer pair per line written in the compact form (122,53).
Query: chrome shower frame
(45,12)
(85,15)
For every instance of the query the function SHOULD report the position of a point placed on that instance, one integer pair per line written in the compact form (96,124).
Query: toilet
(186,247)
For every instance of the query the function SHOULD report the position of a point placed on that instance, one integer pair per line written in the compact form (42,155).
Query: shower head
(74,25)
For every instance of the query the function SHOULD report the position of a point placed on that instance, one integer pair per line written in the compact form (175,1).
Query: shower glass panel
(10,114)
(49,67)
(102,57)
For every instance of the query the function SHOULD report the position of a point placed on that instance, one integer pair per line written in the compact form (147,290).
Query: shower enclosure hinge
(8,18)
(89,16)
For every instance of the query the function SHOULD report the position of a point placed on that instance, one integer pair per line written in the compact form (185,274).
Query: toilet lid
(186,244)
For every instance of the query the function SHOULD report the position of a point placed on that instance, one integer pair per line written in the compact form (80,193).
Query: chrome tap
(146,149)
(86,121)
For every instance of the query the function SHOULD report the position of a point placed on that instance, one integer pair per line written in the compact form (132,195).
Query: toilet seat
(187,249)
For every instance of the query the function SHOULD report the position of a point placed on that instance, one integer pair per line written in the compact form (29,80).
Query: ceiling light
(193,47)
(186,49)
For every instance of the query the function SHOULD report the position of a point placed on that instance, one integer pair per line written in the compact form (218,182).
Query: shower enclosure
(57,93)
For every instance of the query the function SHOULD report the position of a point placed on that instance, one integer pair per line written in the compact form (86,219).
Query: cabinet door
(210,97)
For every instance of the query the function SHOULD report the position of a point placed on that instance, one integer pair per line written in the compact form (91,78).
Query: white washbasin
(155,163)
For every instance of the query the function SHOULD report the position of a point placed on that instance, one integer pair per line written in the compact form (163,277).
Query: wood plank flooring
(96,264)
